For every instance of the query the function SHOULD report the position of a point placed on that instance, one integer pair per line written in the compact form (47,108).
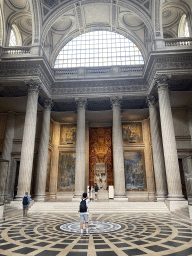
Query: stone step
(100,207)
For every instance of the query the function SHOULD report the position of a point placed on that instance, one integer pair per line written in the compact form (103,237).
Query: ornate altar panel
(100,151)
(66,172)
(134,170)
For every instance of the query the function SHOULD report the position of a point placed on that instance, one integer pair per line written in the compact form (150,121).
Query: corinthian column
(118,158)
(80,148)
(43,153)
(157,147)
(54,160)
(5,175)
(169,143)
(27,150)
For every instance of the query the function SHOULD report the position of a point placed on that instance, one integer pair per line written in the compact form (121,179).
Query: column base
(161,197)
(190,211)
(40,198)
(121,198)
(151,196)
(175,205)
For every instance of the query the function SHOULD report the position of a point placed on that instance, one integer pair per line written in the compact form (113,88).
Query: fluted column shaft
(118,158)
(54,160)
(148,161)
(5,174)
(27,150)
(80,148)
(158,157)
(189,112)
(169,143)
(43,153)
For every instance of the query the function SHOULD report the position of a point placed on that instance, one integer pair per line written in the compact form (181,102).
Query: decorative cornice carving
(100,89)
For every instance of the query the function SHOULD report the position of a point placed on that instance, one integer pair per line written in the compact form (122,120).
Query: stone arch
(131,6)
(36,21)
(182,9)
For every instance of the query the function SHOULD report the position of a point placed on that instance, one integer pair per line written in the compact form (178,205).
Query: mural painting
(68,134)
(132,133)
(134,171)
(100,151)
(66,172)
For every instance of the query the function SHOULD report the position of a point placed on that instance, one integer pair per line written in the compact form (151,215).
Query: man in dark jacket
(26,202)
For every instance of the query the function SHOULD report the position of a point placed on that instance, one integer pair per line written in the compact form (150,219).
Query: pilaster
(54,160)
(148,160)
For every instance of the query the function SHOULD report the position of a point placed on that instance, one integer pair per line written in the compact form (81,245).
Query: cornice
(167,63)
(21,69)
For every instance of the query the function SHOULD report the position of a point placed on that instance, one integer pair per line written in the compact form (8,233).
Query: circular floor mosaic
(94,227)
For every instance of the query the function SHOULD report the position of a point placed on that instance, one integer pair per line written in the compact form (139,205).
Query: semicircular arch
(130,37)
(66,7)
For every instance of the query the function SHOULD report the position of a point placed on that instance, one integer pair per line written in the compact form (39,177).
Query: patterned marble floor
(133,234)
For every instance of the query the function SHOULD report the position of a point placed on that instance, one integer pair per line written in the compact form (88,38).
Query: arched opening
(15,37)
(183,30)
(99,48)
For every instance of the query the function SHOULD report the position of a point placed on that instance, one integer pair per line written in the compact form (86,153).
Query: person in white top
(84,213)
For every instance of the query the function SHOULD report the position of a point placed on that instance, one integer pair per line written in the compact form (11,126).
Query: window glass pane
(99,48)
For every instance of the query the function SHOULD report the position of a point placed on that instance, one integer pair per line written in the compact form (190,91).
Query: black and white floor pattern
(110,235)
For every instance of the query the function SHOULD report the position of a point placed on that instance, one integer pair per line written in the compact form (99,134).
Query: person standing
(96,190)
(84,213)
(26,202)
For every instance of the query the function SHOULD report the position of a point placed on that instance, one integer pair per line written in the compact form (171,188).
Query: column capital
(81,102)
(47,104)
(33,85)
(116,102)
(151,100)
(162,81)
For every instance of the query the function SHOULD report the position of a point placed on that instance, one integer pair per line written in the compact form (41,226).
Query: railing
(99,71)
(102,70)
(66,71)
(185,41)
(16,50)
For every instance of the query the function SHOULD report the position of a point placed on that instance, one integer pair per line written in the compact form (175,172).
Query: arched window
(99,48)
(15,36)
(12,40)
(183,30)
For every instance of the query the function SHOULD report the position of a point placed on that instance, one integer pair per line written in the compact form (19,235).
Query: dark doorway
(16,179)
(182,178)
